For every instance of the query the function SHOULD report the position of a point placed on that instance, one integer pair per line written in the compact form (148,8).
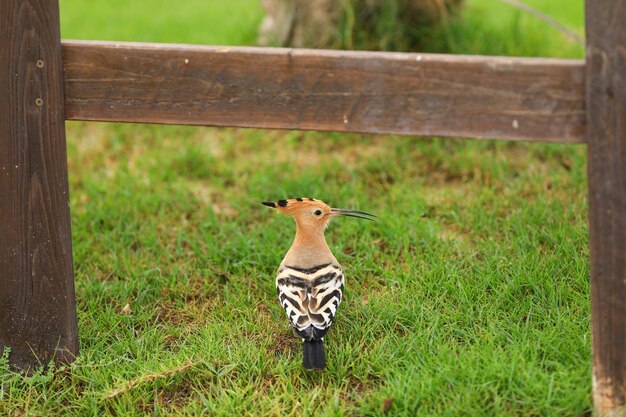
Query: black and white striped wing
(310,297)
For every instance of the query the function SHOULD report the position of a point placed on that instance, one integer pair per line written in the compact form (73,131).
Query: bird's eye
(318,212)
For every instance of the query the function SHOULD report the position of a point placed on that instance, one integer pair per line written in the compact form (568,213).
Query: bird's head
(313,214)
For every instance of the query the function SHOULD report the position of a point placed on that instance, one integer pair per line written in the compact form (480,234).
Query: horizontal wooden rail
(375,92)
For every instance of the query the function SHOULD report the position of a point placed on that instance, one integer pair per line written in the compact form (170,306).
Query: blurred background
(469,296)
(490,27)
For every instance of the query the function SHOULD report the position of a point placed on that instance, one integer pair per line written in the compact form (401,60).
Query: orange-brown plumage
(310,281)
(309,246)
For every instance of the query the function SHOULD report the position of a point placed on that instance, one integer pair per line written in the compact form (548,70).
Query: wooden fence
(44,82)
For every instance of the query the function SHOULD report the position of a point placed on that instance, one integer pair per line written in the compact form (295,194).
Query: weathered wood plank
(606,110)
(37,309)
(413,94)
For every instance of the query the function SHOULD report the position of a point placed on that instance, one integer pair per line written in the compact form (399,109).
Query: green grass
(216,22)
(491,27)
(469,297)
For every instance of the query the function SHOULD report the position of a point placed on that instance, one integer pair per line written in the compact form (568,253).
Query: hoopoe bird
(310,281)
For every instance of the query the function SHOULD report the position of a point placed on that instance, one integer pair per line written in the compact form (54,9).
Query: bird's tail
(313,355)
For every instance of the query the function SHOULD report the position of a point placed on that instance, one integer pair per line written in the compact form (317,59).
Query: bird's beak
(335,212)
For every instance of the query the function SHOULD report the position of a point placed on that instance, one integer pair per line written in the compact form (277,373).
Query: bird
(310,280)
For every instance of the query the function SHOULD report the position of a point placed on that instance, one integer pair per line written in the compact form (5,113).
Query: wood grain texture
(37,308)
(606,105)
(374,92)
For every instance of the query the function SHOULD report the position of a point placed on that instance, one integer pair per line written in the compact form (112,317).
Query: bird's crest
(296,206)
(292,204)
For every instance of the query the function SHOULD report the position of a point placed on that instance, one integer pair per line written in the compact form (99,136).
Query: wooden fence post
(606,120)
(37,306)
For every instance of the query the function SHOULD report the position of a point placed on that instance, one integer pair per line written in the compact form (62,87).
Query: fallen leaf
(127,310)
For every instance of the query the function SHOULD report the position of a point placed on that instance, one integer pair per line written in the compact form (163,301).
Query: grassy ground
(469,297)
(493,27)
